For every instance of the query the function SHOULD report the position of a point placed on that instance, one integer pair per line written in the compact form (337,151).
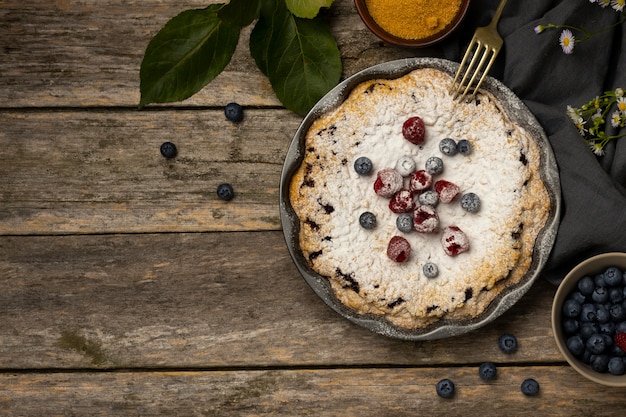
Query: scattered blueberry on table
(225,192)
(507,343)
(234,112)
(530,387)
(445,388)
(168,150)
(487,371)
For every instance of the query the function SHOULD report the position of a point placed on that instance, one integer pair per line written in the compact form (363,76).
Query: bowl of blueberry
(589,318)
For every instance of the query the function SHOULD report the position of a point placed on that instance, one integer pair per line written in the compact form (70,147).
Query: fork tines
(475,72)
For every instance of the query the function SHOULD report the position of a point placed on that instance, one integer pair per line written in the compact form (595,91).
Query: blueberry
(233,112)
(363,165)
(530,387)
(617,312)
(613,276)
(405,165)
(617,351)
(600,295)
(434,165)
(607,328)
(570,326)
(616,295)
(487,371)
(428,198)
(599,280)
(404,222)
(447,146)
(464,147)
(575,345)
(586,285)
(600,363)
(578,296)
(616,366)
(430,270)
(602,314)
(225,192)
(445,388)
(470,202)
(595,344)
(620,327)
(168,150)
(588,329)
(367,220)
(588,312)
(571,308)
(507,343)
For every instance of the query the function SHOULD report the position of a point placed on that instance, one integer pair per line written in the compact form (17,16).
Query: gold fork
(483,49)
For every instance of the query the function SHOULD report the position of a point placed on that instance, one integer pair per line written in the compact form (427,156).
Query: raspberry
(388,182)
(402,202)
(454,241)
(398,249)
(620,341)
(420,180)
(413,130)
(425,219)
(446,191)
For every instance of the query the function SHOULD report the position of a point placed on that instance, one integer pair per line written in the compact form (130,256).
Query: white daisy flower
(618,5)
(604,3)
(621,104)
(596,148)
(616,118)
(538,29)
(619,92)
(567,41)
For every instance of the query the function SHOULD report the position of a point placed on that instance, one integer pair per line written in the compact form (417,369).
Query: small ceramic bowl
(369,21)
(592,266)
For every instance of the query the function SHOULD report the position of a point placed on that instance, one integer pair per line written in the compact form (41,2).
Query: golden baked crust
(328,196)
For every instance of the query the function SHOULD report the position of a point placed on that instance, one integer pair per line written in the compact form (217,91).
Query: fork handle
(496,16)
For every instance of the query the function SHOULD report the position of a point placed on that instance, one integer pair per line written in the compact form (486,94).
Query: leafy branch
(290,44)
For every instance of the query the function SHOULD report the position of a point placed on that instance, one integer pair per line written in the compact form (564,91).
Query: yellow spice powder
(413,19)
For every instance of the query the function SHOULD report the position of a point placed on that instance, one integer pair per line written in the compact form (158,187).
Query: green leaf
(185,55)
(307,8)
(240,12)
(299,56)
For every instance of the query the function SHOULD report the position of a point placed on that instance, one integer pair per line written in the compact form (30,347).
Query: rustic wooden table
(128,288)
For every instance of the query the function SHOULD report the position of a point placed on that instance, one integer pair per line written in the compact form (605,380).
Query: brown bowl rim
(371,24)
(588,266)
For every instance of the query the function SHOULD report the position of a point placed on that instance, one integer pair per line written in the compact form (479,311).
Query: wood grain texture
(102,171)
(323,392)
(207,300)
(60,53)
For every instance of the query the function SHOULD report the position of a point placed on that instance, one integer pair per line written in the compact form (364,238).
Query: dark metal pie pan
(516,110)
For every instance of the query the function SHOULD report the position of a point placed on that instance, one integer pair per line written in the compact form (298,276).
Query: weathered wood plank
(102,172)
(346,392)
(56,53)
(207,300)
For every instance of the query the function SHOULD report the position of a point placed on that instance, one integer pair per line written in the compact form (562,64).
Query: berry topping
(428,198)
(507,343)
(434,165)
(612,276)
(398,249)
(420,180)
(225,192)
(530,387)
(413,130)
(233,112)
(367,220)
(447,191)
(470,202)
(454,241)
(425,219)
(405,166)
(616,366)
(464,147)
(402,202)
(388,182)
(168,150)
(445,388)
(404,222)
(447,146)
(620,341)
(430,270)
(487,371)
(363,165)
